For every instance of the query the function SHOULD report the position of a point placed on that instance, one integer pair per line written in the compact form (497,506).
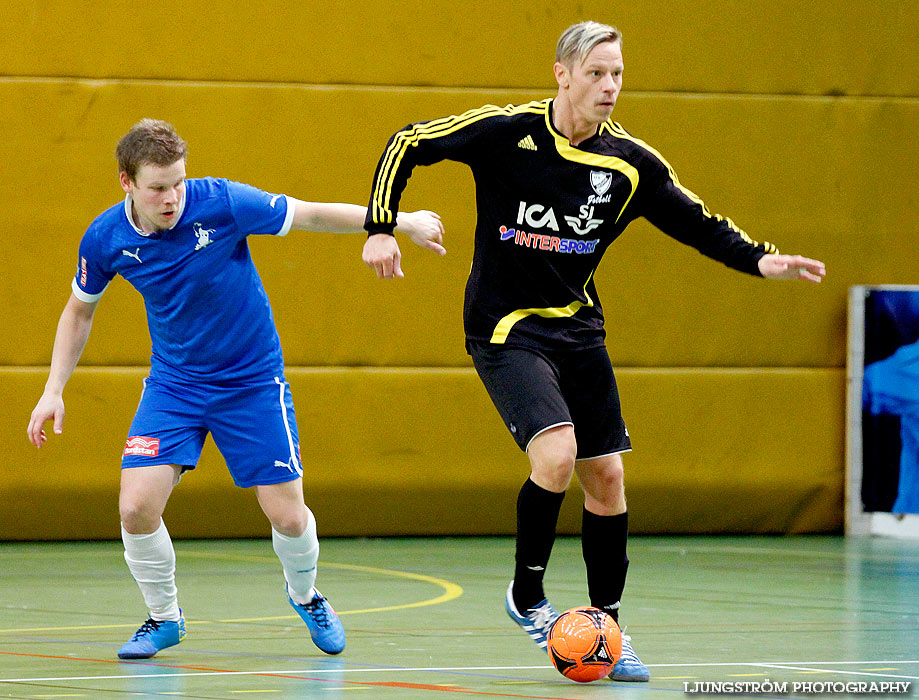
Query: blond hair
(580,39)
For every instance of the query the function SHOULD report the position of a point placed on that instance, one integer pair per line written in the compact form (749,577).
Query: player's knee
(139,517)
(290,523)
(612,477)
(553,460)
(604,487)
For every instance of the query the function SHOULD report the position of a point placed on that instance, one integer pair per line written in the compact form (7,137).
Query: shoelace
(542,616)
(628,654)
(318,611)
(150,625)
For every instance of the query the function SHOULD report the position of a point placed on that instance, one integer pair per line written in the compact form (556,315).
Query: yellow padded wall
(825,177)
(862,47)
(796,120)
(422,451)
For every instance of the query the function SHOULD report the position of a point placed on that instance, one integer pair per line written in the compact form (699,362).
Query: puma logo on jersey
(204,236)
(527,143)
(273,200)
(135,254)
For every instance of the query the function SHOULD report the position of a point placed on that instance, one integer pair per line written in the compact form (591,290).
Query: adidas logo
(527,143)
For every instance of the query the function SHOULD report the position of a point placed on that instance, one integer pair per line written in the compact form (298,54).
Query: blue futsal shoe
(153,636)
(325,628)
(538,620)
(629,668)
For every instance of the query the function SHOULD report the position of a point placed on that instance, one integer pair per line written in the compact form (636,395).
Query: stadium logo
(204,236)
(142,446)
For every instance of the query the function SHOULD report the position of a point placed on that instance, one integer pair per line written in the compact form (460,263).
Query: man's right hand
(382,255)
(50,406)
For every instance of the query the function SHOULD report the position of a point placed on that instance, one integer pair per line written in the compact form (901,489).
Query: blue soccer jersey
(891,386)
(207,310)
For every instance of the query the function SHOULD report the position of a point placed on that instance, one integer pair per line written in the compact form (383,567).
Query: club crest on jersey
(600,181)
(142,446)
(204,235)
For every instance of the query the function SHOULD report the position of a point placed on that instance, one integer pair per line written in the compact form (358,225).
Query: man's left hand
(791,267)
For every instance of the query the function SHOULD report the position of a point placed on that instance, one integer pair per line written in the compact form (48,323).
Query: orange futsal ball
(584,644)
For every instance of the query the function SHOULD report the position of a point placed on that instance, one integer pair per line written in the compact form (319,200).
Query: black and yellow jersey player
(547,211)
(556,183)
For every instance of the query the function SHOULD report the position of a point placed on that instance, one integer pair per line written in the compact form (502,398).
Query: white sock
(152,562)
(299,557)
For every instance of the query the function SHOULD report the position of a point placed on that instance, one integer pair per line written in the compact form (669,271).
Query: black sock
(603,542)
(537,517)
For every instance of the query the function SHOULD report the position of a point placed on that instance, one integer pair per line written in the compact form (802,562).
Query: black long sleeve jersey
(547,211)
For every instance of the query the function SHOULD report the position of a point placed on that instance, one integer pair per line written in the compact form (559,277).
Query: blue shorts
(253,426)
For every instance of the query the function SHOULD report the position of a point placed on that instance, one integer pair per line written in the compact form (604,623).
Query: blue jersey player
(216,364)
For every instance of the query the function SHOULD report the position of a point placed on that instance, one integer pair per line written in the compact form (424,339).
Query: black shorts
(535,390)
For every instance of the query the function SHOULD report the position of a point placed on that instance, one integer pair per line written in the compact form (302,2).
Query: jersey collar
(128,200)
(558,135)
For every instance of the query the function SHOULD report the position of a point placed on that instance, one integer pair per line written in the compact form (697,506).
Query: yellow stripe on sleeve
(437,128)
(622,133)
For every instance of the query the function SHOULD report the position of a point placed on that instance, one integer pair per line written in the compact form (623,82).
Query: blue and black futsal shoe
(153,636)
(325,628)
(537,621)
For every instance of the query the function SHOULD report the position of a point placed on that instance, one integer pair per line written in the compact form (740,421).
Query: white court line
(791,666)
(848,673)
(790,663)
(273,673)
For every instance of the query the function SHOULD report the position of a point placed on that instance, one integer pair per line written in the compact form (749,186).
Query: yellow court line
(451,592)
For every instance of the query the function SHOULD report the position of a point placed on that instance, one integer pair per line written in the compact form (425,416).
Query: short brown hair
(149,142)
(580,39)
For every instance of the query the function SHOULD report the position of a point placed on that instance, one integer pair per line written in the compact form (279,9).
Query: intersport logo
(143,446)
